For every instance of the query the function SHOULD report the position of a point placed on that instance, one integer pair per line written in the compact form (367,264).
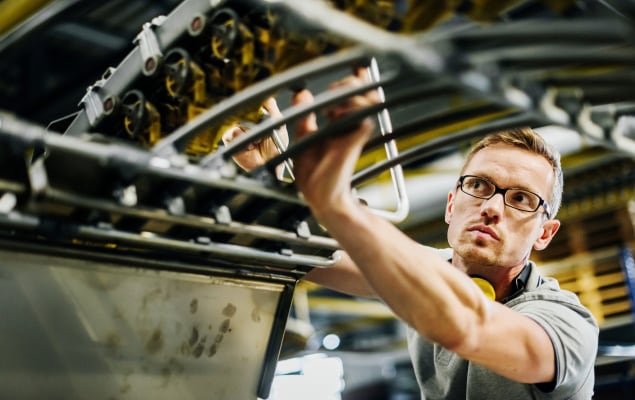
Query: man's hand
(256,154)
(323,172)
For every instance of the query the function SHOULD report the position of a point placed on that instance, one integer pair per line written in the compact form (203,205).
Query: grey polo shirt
(571,327)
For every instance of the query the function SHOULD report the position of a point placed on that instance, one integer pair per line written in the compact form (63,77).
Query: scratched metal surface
(82,329)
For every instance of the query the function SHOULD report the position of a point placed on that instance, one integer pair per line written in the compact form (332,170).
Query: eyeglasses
(520,199)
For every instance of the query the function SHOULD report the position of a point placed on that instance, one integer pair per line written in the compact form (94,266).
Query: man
(532,340)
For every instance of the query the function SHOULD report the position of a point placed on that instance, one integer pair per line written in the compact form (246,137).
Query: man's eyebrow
(492,180)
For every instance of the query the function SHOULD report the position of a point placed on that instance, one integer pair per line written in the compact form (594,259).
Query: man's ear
(548,231)
(449,207)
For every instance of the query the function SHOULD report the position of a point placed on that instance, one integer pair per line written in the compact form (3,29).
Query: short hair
(527,139)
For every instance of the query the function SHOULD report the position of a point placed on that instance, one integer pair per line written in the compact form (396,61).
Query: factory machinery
(140,261)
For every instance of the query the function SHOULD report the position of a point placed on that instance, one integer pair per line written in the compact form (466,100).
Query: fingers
(307,124)
(356,102)
(231,134)
(362,73)
(272,107)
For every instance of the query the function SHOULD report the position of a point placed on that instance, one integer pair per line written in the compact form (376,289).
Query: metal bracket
(8,201)
(95,106)
(149,47)
(38,177)
(127,196)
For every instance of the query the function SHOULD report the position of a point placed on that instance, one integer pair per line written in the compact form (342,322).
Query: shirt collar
(519,283)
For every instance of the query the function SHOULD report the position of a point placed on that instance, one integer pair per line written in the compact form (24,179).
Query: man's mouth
(484,229)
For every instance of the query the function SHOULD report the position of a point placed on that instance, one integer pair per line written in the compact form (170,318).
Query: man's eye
(524,198)
(519,197)
(477,184)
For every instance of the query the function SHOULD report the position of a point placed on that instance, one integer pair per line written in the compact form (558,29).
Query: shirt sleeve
(574,335)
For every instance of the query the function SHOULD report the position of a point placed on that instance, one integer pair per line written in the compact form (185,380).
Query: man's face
(489,233)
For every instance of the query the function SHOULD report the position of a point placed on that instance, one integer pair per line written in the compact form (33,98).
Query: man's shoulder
(541,290)
(538,286)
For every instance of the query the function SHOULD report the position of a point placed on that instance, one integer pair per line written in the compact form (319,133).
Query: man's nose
(494,206)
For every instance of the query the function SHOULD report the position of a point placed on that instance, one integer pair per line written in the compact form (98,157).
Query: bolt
(197,24)
(150,65)
(109,104)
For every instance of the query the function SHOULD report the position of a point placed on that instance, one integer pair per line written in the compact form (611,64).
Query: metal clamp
(148,43)
(95,106)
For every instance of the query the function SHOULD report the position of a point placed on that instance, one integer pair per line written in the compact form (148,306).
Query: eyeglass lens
(516,198)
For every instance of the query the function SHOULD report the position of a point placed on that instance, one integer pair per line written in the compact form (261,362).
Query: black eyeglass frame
(502,191)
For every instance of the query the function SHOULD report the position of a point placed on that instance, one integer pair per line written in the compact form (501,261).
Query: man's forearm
(343,277)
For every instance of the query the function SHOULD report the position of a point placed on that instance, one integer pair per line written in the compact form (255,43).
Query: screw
(150,65)
(196,24)
(109,104)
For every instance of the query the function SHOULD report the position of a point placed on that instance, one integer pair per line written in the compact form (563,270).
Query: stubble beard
(478,253)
